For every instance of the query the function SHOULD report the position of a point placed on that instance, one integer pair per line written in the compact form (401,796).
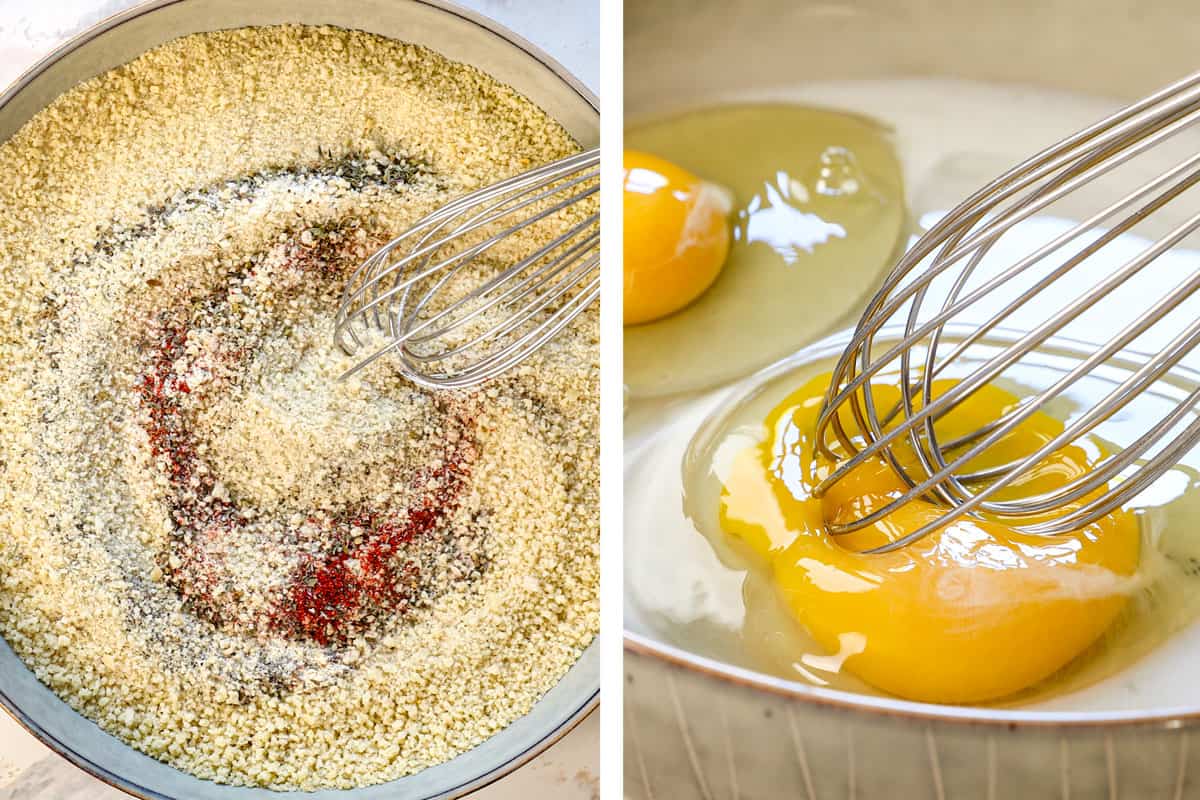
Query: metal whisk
(479,285)
(940,280)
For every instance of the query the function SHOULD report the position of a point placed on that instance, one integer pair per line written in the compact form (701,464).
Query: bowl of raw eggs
(772,177)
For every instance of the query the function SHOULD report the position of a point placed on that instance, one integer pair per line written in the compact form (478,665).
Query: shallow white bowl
(697,723)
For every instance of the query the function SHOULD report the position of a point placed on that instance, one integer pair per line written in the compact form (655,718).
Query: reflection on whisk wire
(948,256)
(451,316)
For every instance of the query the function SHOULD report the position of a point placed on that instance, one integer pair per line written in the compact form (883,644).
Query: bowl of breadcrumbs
(223,573)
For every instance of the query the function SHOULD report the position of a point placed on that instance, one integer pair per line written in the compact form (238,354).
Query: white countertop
(569,31)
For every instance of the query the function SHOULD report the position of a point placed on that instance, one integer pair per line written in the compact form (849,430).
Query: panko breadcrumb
(209,546)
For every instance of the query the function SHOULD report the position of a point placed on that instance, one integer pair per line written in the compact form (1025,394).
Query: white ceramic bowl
(462,36)
(697,725)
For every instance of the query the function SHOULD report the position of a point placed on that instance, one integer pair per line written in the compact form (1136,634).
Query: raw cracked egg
(721,282)
(973,612)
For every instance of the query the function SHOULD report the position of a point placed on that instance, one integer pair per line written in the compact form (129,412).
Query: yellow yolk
(975,611)
(676,236)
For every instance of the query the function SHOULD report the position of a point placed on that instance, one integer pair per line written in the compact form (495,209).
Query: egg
(817,215)
(676,236)
(973,612)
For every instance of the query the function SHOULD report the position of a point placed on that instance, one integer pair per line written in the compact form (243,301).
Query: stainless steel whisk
(446,335)
(939,282)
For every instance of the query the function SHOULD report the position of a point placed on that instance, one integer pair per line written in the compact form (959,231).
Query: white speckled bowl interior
(462,36)
(698,726)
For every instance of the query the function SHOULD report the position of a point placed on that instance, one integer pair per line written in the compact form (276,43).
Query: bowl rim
(134,789)
(588,704)
(838,700)
(102,26)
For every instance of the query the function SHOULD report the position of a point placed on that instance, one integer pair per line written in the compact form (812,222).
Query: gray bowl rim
(643,645)
(568,723)
(95,30)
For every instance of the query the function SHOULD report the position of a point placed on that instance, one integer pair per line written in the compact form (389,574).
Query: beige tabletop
(569,31)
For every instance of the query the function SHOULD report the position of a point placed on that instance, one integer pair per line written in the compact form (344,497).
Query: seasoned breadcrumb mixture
(207,545)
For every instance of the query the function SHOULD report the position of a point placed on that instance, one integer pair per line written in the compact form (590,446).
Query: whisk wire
(536,304)
(426,249)
(987,372)
(947,260)
(428,226)
(545,272)
(953,249)
(449,316)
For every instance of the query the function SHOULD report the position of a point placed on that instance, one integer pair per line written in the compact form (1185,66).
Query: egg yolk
(976,610)
(676,236)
